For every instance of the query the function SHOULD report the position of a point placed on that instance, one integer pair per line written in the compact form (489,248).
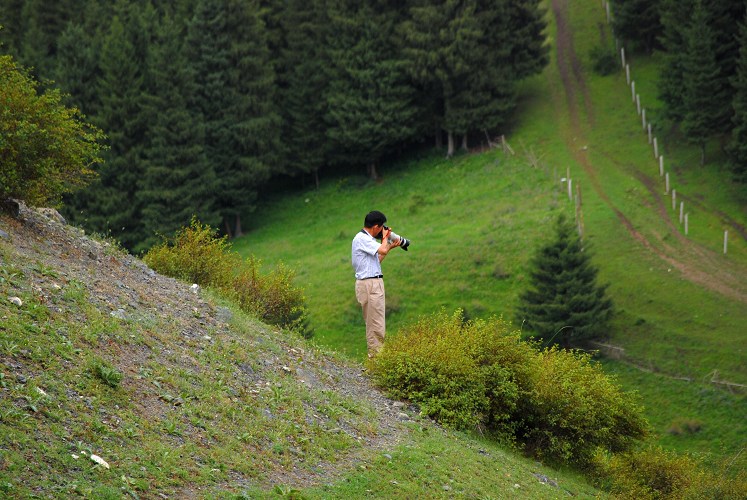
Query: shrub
(197,255)
(603,60)
(46,149)
(271,297)
(556,403)
(429,365)
(655,473)
(573,408)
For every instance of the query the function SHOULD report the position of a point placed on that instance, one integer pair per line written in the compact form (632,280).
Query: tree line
(703,83)
(205,101)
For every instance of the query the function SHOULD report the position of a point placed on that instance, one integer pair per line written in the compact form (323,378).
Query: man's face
(378,231)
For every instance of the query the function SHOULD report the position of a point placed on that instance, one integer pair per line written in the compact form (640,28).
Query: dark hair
(374,218)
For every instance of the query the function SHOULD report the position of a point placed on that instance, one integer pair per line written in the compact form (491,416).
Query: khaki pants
(371,297)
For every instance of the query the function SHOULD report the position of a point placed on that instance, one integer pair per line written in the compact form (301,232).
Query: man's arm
(385,245)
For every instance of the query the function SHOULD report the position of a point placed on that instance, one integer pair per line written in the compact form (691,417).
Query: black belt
(373,277)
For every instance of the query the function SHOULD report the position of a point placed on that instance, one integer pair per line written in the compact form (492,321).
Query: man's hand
(385,245)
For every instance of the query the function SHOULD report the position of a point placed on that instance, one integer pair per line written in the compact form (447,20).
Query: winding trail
(696,263)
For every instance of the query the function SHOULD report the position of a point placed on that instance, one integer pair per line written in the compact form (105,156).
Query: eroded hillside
(172,393)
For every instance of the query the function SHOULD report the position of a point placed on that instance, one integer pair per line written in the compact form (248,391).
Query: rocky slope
(194,376)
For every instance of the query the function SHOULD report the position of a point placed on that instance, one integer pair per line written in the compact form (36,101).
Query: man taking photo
(367,255)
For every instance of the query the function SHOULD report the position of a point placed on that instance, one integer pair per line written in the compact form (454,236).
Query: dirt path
(697,264)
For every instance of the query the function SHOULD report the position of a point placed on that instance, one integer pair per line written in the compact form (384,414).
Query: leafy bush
(197,255)
(46,149)
(271,297)
(603,60)
(655,473)
(480,373)
(573,407)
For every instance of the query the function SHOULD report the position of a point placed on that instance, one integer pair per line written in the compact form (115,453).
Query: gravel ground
(121,285)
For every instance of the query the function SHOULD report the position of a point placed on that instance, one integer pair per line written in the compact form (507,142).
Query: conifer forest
(204,102)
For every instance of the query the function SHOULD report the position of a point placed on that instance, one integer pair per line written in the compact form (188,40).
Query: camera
(404,242)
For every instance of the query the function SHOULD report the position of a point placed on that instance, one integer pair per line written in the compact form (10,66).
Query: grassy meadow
(475,220)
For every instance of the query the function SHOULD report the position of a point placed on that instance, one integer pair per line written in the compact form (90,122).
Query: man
(369,285)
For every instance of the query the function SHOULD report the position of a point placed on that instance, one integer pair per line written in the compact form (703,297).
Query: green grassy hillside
(476,219)
(116,382)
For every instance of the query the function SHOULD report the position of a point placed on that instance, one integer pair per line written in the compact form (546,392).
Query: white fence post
(622,56)
(686,217)
(682,211)
(627,73)
(643,119)
(650,138)
(726,241)
(656,148)
(632,91)
(674,199)
(638,103)
(661,165)
(667,183)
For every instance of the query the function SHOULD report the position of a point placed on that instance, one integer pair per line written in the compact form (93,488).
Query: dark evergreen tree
(302,86)
(529,52)
(438,37)
(675,17)
(42,23)
(737,148)
(228,50)
(564,304)
(77,65)
(706,89)
(111,205)
(369,98)
(471,54)
(638,22)
(11,21)
(178,182)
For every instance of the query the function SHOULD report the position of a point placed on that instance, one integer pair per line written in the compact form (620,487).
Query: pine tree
(738,146)
(638,22)
(470,54)
(178,182)
(42,23)
(564,304)
(229,54)
(369,99)
(526,38)
(675,16)
(13,26)
(706,90)
(77,66)
(111,203)
(302,88)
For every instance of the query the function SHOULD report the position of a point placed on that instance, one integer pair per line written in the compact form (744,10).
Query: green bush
(197,255)
(654,473)
(46,150)
(556,403)
(573,408)
(272,297)
(603,60)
